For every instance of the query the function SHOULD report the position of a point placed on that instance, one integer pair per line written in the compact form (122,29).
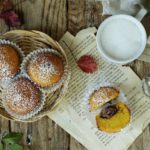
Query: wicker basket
(29,41)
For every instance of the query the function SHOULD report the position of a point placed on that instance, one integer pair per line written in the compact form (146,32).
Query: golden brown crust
(102,96)
(9,61)
(117,122)
(22,96)
(45,69)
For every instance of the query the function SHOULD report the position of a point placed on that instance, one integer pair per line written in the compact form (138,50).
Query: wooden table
(55,17)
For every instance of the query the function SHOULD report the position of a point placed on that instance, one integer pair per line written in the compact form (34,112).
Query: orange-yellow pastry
(45,69)
(113,118)
(102,96)
(22,96)
(9,61)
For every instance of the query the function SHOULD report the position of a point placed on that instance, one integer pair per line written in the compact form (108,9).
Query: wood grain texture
(31,12)
(143,141)
(55,17)
(82,14)
(47,135)
(75,145)
(57,135)
(3,26)
(48,16)
(39,135)
(22,128)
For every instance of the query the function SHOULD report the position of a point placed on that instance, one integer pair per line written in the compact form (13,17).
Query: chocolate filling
(108,112)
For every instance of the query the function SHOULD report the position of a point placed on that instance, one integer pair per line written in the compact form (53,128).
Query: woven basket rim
(55,44)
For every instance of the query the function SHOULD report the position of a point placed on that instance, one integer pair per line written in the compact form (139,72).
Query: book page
(72,115)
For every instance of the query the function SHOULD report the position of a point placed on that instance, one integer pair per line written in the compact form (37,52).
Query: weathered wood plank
(141,68)
(55,17)
(31,13)
(146,138)
(143,141)
(75,145)
(83,13)
(146,22)
(47,135)
(138,144)
(57,137)
(3,27)
(48,16)
(39,135)
(4,125)
(21,128)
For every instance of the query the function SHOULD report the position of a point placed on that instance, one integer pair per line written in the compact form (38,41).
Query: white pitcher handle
(141,13)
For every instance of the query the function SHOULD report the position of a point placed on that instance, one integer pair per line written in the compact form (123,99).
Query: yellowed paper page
(72,114)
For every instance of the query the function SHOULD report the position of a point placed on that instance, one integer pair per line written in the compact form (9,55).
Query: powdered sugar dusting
(22,95)
(99,97)
(26,69)
(8,69)
(47,68)
(104,94)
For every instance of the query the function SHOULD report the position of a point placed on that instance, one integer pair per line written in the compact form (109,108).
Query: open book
(72,115)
